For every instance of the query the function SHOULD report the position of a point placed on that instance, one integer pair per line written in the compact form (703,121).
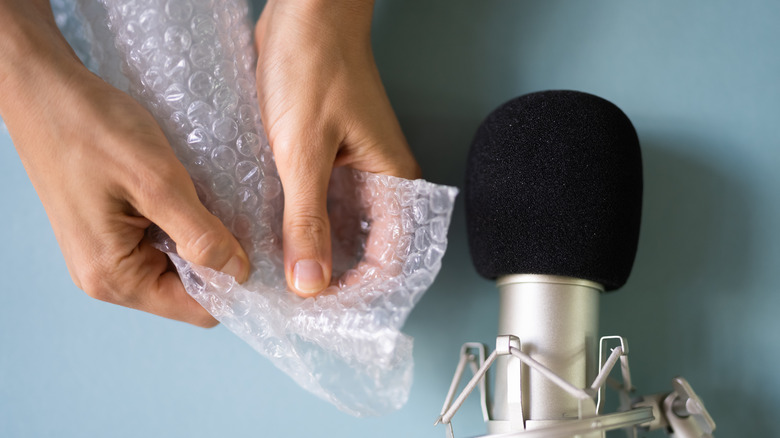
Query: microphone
(553,205)
(553,208)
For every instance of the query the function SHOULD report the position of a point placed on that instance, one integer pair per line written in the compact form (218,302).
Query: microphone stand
(546,381)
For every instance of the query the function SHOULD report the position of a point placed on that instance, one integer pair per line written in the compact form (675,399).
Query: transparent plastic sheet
(191,64)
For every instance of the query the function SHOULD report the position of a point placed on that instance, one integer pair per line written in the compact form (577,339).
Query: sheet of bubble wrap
(191,63)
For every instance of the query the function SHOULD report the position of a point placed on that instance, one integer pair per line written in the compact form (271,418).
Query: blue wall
(699,79)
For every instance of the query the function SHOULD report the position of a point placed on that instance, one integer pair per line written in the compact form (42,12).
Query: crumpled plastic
(191,63)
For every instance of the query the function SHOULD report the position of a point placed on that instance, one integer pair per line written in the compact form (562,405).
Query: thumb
(200,237)
(305,173)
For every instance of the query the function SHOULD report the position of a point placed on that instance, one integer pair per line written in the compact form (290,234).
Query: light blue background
(699,79)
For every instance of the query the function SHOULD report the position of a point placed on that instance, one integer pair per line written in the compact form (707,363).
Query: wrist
(349,20)
(34,55)
(317,7)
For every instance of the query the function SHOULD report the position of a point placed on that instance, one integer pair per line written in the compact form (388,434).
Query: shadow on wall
(690,280)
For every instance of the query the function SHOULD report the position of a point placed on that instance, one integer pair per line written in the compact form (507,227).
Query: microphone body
(556,320)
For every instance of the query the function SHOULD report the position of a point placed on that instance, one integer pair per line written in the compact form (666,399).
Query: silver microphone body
(556,321)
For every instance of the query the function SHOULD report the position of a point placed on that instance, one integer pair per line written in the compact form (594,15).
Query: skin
(323,105)
(104,171)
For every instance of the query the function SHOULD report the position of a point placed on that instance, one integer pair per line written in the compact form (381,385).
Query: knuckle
(96,290)
(153,182)
(210,248)
(205,321)
(282,146)
(308,227)
(94,283)
(298,148)
(103,283)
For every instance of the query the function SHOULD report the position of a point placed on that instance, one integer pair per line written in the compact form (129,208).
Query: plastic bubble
(223,157)
(248,144)
(201,84)
(225,129)
(177,39)
(178,10)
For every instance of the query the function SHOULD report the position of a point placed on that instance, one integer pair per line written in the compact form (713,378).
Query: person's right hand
(104,172)
(323,106)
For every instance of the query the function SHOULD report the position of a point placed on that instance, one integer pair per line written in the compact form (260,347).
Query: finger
(260,29)
(386,246)
(162,292)
(305,172)
(168,199)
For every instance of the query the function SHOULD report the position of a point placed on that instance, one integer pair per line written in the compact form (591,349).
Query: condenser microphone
(553,205)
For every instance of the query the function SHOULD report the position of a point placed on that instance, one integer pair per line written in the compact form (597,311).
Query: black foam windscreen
(554,187)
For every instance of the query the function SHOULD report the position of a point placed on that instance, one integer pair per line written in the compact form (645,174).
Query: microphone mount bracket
(681,412)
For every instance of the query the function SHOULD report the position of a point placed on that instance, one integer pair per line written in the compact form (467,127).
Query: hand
(323,105)
(105,172)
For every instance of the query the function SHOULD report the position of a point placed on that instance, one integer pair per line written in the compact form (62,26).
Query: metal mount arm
(588,420)
(681,412)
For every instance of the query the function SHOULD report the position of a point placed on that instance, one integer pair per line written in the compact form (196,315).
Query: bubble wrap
(191,63)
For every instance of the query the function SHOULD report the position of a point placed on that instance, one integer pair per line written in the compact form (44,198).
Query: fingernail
(308,277)
(236,267)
